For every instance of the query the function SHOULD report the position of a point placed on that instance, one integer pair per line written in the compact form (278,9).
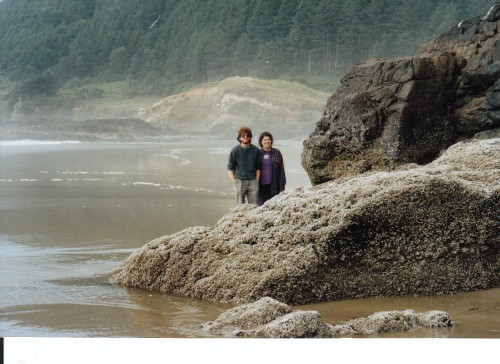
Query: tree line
(165,46)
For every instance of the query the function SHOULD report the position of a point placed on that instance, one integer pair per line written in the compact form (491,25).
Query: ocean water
(72,211)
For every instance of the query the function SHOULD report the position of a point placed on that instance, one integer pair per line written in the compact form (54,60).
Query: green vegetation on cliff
(165,46)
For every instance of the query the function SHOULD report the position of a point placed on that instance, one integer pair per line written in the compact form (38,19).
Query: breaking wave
(9,143)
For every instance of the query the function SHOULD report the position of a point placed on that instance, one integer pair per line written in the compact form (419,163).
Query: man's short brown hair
(244,130)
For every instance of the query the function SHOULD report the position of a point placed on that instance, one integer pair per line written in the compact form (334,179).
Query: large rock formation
(421,230)
(392,111)
(272,319)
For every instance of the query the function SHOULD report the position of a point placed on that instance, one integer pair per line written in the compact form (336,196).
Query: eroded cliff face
(423,230)
(284,108)
(215,109)
(394,111)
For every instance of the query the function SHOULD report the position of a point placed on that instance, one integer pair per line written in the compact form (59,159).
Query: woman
(272,171)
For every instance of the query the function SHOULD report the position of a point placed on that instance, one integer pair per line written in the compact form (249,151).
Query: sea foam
(8,143)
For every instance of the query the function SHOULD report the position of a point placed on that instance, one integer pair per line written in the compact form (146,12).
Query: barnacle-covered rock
(421,230)
(272,319)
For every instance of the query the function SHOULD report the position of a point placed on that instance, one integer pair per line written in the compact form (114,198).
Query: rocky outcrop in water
(272,319)
(394,111)
(422,230)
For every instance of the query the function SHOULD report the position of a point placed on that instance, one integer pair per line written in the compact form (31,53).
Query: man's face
(245,139)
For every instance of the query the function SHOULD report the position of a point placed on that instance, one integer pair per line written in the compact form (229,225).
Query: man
(244,168)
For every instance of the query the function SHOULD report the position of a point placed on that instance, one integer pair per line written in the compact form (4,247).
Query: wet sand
(71,212)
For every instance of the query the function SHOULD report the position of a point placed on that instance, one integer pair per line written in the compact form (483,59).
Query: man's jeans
(246,189)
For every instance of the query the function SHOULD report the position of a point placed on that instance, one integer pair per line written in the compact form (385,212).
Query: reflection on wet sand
(170,316)
(476,314)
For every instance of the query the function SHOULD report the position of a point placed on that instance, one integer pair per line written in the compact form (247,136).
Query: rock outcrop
(422,230)
(272,319)
(388,112)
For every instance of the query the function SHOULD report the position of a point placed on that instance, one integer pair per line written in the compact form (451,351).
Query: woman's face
(266,142)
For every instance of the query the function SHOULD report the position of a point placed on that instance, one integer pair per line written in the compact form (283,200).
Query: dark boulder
(388,112)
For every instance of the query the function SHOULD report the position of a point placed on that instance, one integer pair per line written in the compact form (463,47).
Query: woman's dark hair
(244,130)
(265,134)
